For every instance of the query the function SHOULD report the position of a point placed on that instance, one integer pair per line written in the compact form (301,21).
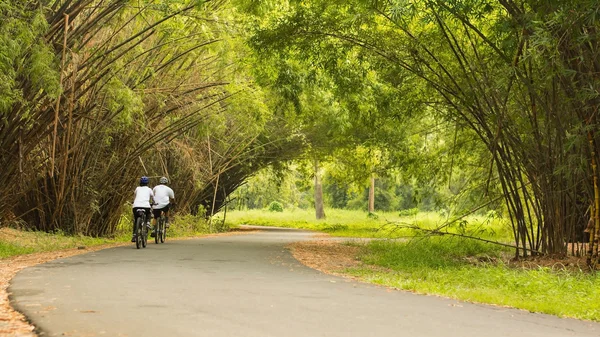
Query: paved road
(246,285)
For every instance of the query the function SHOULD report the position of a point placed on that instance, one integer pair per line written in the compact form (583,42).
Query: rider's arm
(171,195)
(152,201)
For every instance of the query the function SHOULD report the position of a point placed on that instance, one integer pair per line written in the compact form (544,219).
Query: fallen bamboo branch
(465,236)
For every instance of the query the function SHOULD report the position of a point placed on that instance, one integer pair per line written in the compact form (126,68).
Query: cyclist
(143,194)
(163,195)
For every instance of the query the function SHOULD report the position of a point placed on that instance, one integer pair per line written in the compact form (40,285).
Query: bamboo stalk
(594,234)
(57,107)
(212,209)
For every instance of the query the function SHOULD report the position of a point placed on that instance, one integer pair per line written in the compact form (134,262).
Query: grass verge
(15,242)
(475,271)
(349,223)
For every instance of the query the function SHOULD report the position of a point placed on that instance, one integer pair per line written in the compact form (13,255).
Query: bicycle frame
(140,231)
(160,228)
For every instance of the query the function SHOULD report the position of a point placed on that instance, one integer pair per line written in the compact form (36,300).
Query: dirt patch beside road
(327,256)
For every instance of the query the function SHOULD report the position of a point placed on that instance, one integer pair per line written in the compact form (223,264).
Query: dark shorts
(157,212)
(146,210)
(135,215)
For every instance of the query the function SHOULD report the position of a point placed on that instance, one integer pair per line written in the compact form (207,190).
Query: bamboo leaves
(516,73)
(102,91)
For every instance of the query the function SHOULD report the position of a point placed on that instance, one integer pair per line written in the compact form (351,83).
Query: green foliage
(409,212)
(424,74)
(24,55)
(330,228)
(188,225)
(289,185)
(358,203)
(372,216)
(159,88)
(12,249)
(275,206)
(123,102)
(293,187)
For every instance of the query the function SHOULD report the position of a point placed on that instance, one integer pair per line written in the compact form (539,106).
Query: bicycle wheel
(163,229)
(144,234)
(138,233)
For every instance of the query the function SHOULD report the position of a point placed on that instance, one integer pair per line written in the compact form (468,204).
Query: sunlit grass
(15,242)
(352,223)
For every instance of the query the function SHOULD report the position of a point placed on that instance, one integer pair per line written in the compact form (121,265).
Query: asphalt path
(245,285)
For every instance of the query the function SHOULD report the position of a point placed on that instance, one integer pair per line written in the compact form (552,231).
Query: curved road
(245,285)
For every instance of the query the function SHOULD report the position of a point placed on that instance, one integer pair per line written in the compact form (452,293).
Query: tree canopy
(491,100)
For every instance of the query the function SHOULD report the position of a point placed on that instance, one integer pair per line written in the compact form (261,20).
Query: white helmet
(164,180)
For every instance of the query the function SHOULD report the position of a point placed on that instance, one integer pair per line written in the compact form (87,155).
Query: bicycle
(141,233)
(160,229)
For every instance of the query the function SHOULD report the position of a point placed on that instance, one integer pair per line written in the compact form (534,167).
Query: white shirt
(142,197)
(162,193)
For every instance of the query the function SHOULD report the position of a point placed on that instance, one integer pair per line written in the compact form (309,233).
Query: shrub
(409,212)
(275,206)
(219,225)
(333,227)
(358,203)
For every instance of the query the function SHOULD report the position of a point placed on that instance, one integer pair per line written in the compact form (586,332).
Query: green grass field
(347,223)
(449,266)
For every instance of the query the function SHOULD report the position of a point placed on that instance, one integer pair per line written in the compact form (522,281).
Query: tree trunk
(372,194)
(319,209)
(212,206)
(592,255)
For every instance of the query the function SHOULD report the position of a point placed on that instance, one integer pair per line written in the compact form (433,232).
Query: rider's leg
(156,213)
(167,209)
(148,216)
(134,221)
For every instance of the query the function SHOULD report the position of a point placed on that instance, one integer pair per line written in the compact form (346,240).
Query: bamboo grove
(521,74)
(96,93)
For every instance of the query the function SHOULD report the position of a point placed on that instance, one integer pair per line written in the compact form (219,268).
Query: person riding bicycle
(163,195)
(143,196)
